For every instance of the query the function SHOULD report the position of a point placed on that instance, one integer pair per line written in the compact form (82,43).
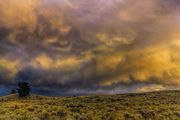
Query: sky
(64,47)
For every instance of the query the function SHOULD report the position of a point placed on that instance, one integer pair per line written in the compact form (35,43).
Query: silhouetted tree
(13,91)
(24,89)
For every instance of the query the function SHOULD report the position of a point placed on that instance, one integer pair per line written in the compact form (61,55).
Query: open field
(146,106)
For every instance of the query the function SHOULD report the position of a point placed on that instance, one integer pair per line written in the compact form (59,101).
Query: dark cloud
(88,46)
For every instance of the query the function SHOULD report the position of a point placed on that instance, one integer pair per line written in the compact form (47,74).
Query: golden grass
(146,106)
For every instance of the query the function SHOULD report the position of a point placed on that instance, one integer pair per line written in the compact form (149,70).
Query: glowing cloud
(95,45)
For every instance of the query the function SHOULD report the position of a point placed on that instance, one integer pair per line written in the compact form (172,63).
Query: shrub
(13,91)
(24,89)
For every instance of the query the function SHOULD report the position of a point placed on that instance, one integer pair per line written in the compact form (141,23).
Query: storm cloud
(97,46)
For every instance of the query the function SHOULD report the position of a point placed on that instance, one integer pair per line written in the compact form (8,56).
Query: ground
(145,106)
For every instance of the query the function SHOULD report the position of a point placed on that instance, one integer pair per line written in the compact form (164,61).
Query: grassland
(146,106)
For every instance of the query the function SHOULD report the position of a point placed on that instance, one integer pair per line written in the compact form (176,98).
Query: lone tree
(13,91)
(24,89)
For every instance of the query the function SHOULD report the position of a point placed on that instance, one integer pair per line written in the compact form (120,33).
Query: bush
(24,89)
(13,91)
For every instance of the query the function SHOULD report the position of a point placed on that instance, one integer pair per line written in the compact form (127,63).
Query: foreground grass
(146,106)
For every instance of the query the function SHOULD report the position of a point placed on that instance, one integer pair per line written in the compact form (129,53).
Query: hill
(155,105)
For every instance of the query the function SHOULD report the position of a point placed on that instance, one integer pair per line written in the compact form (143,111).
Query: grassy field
(146,106)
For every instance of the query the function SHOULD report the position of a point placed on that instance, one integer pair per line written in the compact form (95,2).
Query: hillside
(156,105)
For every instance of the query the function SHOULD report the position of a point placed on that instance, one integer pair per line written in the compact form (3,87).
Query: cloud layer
(95,46)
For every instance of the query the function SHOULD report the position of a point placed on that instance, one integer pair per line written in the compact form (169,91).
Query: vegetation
(24,89)
(13,91)
(145,106)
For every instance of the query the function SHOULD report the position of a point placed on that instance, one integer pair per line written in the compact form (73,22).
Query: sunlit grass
(157,106)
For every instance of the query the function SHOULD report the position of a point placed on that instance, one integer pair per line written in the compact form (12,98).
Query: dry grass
(147,106)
